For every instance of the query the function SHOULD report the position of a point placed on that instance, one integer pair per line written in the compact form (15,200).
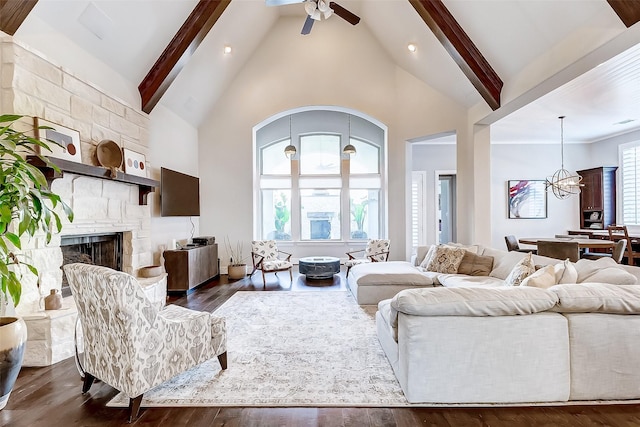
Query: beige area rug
(289,349)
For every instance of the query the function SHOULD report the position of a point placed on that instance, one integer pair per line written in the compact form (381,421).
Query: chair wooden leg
(291,274)
(348,268)
(88,381)
(264,281)
(222,358)
(134,408)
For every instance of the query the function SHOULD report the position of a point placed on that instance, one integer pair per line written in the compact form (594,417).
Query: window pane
(276,214)
(363,205)
(366,159)
(274,162)
(320,214)
(319,155)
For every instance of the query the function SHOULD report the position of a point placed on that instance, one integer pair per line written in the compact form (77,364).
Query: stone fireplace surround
(32,85)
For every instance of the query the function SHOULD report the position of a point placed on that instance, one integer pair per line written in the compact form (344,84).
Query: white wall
(519,161)
(335,65)
(431,158)
(173,145)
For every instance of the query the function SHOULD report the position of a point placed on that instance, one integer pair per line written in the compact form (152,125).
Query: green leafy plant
(27,207)
(359,212)
(283,214)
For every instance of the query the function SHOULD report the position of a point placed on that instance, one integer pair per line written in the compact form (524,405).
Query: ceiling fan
(318,9)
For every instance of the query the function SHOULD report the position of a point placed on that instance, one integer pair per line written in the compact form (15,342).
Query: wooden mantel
(145,185)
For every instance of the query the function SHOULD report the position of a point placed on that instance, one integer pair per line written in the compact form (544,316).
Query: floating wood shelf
(145,185)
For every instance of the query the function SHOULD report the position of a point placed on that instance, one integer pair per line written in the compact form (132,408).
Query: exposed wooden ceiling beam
(461,48)
(13,13)
(627,10)
(179,50)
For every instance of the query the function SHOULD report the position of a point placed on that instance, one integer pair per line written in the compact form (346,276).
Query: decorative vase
(53,301)
(236,272)
(13,339)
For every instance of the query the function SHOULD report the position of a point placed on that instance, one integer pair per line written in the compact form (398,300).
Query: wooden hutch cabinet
(598,198)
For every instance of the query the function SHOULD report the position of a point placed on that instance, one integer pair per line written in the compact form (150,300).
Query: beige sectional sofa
(480,342)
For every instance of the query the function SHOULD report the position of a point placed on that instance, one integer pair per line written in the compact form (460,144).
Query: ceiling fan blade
(343,13)
(282,2)
(306,28)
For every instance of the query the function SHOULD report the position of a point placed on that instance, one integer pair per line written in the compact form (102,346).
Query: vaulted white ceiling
(519,38)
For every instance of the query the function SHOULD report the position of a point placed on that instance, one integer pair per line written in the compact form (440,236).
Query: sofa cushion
(520,271)
(474,302)
(463,280)
(603,270)
(388,273)
(597,298)
(446,259)
(543,278)
(475,265)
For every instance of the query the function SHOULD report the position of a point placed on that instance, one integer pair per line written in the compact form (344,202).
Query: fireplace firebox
(98,249)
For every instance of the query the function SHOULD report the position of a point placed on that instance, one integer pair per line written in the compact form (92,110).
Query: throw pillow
(611,275)
(566,272)
(446,259)
(428,257)
(475,265)
(543,278)
(525,267)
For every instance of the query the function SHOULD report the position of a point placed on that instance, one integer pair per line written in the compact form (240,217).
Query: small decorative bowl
(150,271)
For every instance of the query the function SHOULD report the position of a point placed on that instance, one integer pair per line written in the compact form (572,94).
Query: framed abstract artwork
(68,140)
(134,163)
(527,199)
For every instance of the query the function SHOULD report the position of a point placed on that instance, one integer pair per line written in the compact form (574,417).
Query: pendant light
(290,150)
(563,183)
(349,149)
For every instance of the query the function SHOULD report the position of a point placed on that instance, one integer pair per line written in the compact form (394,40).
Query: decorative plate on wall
(134,163)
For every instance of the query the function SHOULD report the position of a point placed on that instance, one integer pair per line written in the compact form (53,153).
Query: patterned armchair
(266,258)
(132,344)
(377,250)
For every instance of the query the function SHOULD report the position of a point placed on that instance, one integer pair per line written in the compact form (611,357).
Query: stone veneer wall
(32,85)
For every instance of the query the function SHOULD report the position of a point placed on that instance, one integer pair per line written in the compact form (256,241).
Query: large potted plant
(237,268)
(359,212)
(281,218)
(27,208)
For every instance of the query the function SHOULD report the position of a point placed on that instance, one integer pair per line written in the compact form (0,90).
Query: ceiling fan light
(316,15)
(328,13)
(310,7)
(323,5)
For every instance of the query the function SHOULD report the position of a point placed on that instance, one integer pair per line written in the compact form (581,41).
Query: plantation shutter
(418,180)
(630,162)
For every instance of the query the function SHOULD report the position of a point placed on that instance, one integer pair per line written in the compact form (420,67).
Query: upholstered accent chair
(133,344)
(268,259)
(377,250)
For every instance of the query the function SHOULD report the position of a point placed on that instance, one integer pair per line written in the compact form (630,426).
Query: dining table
(583,243)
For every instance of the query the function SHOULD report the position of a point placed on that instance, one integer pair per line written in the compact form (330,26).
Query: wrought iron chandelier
(563,184)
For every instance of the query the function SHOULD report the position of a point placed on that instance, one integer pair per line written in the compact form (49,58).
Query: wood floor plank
(51,396)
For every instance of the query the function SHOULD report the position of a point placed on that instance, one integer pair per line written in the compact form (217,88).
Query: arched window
(320,193)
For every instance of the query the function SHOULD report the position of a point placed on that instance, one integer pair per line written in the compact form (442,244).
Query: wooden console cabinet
(190,267)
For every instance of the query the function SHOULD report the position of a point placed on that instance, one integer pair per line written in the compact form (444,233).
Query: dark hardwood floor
(51,396)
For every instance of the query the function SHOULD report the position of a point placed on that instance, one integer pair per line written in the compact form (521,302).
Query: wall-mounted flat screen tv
(179,194)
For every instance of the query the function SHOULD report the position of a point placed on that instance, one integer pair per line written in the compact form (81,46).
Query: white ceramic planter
(13,339)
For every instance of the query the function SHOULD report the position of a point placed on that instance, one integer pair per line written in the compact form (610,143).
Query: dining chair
(513,245)
(616,254)
(559,250)
(620,232)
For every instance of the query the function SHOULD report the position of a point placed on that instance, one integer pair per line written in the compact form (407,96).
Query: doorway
(446,208)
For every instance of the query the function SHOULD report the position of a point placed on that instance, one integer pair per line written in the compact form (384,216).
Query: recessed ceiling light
(227,49)
(412,47)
